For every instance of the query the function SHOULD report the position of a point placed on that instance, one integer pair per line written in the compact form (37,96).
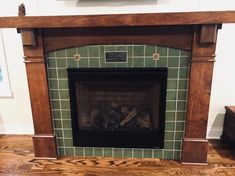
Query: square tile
(138,50)
(162,50)
(172,73)
(67,124)
(51,54)
(181,116)
(171,95)
(60,142)
(69,151)
(182,95)
(184,62)
(173,52)
(157,154)
(93,51)
(71,52)
(55,104)
(149,62)
(66,114)
(182,84)
(61,63)
(53,84)
(149,50)
(65,104)
(162,62)
(62,73)
(61,151)
(63,84)
(138,62)
(60,53)
(171,84)
(178,135)
(98,151)
(168,154)
(56,114)
(168,145)
(68,133)
(52,73)
(181,105)
(68,142)
(180,126)
(54,94)
(94,63)
(170,116)
(183,73)
(108,152)
(64,94)
(83,63)
(169,126)
(122,48)
(137,153)
(83,51)
(173,61)
(51,63)
(148,153)
(79,151)
(170,105)
(72,63)
(117,153)
(59,133)
(127,152)
(169,136)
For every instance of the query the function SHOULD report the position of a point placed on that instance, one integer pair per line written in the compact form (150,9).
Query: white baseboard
(16,128)
(214,132)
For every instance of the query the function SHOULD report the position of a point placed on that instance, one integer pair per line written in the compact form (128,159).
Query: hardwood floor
(16,158)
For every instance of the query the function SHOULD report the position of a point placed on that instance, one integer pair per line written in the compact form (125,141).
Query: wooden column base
(194,151)
(45,146)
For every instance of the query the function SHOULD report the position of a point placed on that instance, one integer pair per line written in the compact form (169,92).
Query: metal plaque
(116,56)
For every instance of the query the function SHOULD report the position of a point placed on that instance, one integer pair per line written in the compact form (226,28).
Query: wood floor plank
(17,158)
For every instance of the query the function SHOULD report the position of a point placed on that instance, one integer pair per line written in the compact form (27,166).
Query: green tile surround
(138,56)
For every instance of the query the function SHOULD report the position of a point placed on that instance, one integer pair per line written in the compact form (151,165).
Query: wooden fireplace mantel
(194,31)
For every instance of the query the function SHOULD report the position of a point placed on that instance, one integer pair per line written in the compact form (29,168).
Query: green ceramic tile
(109,48)
(60,142)
(98,151)
(69,151)
(182,84)
(162,50)
(170,105)
(184,62)
(51,54)
(61,151)
(149,62)
(180,126)
(181,116)
(183,73)
(65,104)
(53,84)
(64,94)
(127,153)
(62,73)
(130,62)
(169,126)
(57,123)
(172,73)
(171,84)
(178,135)
(162,62)
(79,151)
(173,62)
(52,73)
(101,51)
(149,50)
(66,114)
(168,154)
(108,152)
(56,114)
(63,84)
(83,63)
(130,51)
(122,48)
(138,62)
(173,52)
(71,52)
(169,135)
(148,153)
(61,63)
(181,105)
(157,154)
(72,63)
(138,50)
(54,94)
(177,145)
(59,133)
(137,153)
(117,153)
(67,124)
(121,65)
(170,116)
(82,51)
(68,142)
(171,95)
(176,155)
(68,133)
(51,63)
(168,145)
(182,95)
(55,104)
(93,51)
(60,53)
(94,62)
(184,53)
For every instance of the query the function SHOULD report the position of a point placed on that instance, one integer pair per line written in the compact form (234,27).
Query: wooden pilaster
(44,139)
(200,79)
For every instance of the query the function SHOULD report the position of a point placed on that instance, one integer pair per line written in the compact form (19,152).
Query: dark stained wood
(39,97)
(28,38)
(208,34)
(147,19)
(17,158)
(45,146)
(194,151)
(200,79)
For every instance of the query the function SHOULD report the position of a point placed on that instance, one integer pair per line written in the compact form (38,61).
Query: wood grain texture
(208,34)
(16,153)
(28,38)
(149,19)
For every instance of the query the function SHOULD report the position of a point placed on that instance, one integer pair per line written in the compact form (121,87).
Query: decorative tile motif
(177,62)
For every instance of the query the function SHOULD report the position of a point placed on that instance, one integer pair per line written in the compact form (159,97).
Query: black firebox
(118,107)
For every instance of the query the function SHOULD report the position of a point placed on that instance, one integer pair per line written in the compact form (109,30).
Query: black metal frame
(133,139)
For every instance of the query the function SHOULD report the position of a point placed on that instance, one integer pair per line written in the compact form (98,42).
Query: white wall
(15,112)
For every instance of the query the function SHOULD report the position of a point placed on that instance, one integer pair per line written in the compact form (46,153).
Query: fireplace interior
(118,107)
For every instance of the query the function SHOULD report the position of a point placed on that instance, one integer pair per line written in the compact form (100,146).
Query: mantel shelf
(147,19)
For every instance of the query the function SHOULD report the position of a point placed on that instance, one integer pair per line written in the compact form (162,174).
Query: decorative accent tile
(177,62)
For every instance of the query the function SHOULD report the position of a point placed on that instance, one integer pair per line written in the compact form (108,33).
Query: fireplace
(195,32)
(118,107)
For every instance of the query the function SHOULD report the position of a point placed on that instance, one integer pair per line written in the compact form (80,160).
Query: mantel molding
(145,19)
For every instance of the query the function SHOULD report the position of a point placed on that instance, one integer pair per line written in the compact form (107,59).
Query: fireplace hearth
(118,107)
